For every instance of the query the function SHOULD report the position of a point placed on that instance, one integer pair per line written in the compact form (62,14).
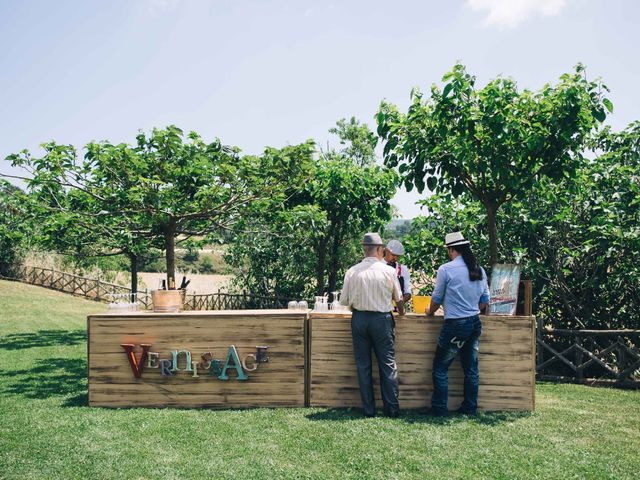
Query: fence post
(528,298)
(539,350)
(579,356)
(621,358)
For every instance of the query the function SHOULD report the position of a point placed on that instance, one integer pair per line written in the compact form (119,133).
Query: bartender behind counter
(392,254)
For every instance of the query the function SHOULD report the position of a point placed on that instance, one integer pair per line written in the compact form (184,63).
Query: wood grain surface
(311,360)
(280,382)
(506,362)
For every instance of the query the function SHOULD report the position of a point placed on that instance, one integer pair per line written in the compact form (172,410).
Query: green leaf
(599,114)
(607,103)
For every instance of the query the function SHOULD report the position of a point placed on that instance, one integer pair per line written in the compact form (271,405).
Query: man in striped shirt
(369,289)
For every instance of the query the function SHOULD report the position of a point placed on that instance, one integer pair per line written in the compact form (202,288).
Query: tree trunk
(322,259)
(133,261)
(493,233)
(335,261)
(170,255)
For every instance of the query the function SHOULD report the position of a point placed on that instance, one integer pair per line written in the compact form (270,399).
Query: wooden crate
(506,362)
(278,383)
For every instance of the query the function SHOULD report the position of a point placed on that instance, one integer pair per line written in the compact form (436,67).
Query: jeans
(375,330)
(457,335)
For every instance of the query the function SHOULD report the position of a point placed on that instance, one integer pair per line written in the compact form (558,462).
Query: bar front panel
(506,362)
(275,376)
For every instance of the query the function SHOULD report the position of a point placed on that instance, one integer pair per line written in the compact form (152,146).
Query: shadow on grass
(42,338)
(421,416)
(52,377)
(80,400)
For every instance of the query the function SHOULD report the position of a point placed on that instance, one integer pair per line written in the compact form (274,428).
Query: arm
(344,297)
(406,295)
(438,292)
(397,295)
(433,308)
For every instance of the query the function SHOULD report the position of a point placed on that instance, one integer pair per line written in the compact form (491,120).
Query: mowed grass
(48,431)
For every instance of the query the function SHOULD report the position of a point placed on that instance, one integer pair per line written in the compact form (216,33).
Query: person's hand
(428,312)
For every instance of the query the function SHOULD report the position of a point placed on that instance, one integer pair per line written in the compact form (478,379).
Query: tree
(355,199)
(69,209)
(14,227)
(357,140)
(186,188)
(583,236)
(282,262)
(577,238)
(272,251)
(495,143)
(332,201)
(165,186)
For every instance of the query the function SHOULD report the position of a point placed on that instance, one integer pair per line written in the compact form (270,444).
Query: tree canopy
(578,238)
(164,187)
(493,142)
(15,227)
(316,233)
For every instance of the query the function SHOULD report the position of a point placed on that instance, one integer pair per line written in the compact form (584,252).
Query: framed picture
(503,290)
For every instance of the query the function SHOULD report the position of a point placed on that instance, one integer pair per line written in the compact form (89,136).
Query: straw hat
(455,238)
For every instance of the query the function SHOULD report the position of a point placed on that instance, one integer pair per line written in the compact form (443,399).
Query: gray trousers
(375,330)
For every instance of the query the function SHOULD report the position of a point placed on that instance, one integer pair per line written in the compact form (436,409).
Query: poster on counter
(503,290)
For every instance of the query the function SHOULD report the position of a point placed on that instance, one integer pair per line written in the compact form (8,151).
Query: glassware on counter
(320,304)
(123,302)
(335,305)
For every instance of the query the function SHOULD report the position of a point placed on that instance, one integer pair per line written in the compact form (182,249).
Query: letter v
(136,365)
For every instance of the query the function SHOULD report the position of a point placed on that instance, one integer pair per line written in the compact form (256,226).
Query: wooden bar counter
(308,360)
(280,382)
(506,362)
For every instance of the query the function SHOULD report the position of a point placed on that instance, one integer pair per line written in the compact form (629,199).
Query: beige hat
(395,247)
(372,238)
(455,238)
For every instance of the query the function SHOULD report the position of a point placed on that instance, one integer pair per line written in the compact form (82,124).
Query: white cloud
(510,13)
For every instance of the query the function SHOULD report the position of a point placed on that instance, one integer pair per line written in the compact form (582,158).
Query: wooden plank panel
(506,361)
(279,382)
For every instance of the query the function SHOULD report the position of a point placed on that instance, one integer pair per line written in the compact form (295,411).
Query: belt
(367,311)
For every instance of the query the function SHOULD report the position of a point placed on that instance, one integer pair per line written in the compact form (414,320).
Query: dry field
(200,283)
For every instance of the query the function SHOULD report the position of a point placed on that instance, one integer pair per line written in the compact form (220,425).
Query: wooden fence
(594,357)
(96,289)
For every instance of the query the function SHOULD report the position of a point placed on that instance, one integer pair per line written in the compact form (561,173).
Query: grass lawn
(48,431)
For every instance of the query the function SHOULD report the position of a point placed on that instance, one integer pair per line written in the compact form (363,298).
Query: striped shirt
(370,286)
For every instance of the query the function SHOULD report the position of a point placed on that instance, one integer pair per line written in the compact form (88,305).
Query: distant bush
(205,264)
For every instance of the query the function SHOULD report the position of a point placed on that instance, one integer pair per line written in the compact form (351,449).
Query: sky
(275,73)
